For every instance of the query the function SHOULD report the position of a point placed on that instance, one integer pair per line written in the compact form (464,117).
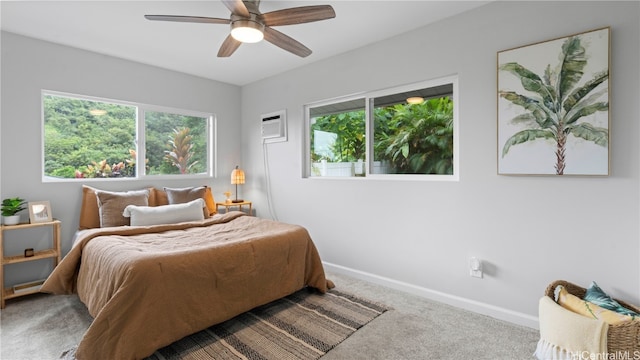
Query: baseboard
(457,301)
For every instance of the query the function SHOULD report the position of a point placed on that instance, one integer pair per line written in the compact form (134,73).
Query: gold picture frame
(553,106)
(39,212)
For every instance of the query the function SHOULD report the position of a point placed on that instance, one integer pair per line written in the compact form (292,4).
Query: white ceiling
(118,28)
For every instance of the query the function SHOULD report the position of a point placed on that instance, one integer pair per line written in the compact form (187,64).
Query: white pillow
(165,214)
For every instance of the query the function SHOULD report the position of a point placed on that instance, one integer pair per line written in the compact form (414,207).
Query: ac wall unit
(274,127)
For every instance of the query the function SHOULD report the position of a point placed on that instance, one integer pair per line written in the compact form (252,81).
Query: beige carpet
(43,326)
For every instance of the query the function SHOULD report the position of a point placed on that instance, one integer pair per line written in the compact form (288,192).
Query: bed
(149,285)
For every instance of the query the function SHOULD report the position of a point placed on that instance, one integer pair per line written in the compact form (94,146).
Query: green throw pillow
(595,295)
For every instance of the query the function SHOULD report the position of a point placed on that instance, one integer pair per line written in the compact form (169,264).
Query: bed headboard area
(102,208)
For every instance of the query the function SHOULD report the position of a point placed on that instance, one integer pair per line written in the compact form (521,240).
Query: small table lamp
(237,177)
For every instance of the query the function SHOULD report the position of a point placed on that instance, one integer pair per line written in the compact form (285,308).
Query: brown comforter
(147,287)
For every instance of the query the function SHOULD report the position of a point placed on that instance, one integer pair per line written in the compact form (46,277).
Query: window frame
(369,123)
(140,109)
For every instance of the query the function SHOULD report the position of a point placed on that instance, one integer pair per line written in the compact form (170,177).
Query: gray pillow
(111,205)
(184,195)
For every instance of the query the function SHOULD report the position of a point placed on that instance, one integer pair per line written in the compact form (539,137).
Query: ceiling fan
(248,24)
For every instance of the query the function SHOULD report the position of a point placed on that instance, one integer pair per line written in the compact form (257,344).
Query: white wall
(418,235)
(30,65)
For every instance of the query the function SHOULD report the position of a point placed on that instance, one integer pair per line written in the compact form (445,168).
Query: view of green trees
(163,133)
(349,144)
(410,138)
(85,138)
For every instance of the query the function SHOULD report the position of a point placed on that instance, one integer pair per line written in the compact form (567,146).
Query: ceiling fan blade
(236,7)
(299,15)
(228,47)
(190,19)
(285,42)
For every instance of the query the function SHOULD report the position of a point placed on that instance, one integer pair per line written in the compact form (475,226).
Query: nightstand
(51,253)
(238,204)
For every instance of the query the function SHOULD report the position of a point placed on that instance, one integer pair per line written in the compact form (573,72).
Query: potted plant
(10,209)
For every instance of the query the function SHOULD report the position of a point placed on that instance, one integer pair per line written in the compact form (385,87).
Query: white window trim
(369,96)
(141,108)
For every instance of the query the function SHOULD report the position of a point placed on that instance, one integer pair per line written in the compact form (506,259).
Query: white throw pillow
(165,214)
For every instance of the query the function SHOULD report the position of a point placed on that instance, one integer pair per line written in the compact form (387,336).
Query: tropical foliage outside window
(93,138)
(407,139)
(338,139)
(415,138)
(175,144)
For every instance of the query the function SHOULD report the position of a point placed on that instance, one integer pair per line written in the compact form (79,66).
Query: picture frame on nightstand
(39,212)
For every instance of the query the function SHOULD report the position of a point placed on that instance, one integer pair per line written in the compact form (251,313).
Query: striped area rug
(304,325)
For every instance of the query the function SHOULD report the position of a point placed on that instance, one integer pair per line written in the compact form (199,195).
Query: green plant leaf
(580,92)
(416,162)
(586,131)
(533,105)
(573,61)
(586,111)
(525,136)
(12,206)
(405,150)
(526,118)
(531,82)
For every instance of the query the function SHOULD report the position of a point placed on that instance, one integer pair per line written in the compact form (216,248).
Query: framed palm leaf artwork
(553,106)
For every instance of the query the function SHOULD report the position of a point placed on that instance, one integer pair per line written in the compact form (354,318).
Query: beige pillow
(111,205)
(589,309)
(157,197)
(209,201)
(89,211)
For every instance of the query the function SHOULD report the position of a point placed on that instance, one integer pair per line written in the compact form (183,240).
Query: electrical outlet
(476,273)
(475,267)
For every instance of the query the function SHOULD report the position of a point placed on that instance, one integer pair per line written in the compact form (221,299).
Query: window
(338,138)
(175,143)
(404,132)
(96,138)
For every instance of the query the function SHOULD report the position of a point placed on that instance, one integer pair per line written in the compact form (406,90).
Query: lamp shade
(237,176)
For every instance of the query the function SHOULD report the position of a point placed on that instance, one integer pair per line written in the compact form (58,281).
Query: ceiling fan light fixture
(415,100)
(247,31)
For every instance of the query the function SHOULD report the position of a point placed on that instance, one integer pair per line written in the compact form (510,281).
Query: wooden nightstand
(52,253)
(238,204)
